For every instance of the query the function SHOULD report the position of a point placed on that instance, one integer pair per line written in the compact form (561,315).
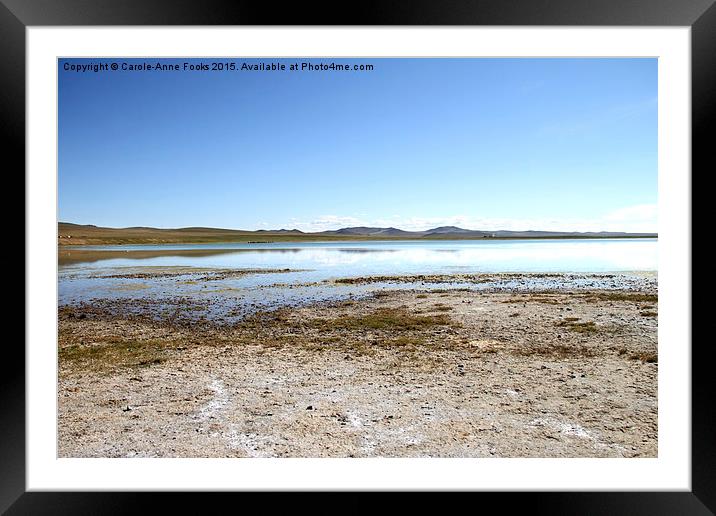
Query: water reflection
(390,257)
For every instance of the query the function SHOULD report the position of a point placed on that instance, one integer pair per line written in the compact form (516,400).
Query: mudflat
(408,373)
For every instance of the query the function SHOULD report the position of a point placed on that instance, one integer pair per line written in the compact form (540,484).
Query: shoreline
(225,295)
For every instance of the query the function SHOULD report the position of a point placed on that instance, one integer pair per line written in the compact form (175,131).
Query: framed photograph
(408,248)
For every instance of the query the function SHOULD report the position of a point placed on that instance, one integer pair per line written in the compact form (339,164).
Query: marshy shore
(400,373)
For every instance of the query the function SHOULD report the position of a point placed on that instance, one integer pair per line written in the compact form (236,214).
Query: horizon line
(354,227)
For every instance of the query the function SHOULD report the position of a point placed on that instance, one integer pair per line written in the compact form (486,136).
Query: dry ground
(443,373)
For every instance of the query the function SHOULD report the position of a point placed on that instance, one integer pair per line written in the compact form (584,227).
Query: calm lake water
(316,264)
(341,259)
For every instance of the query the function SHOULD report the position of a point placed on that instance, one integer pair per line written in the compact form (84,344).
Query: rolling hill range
(76,234)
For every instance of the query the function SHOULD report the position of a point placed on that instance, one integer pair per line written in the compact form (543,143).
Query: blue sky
(561,144)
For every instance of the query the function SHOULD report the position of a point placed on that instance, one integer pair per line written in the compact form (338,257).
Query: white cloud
(634,214)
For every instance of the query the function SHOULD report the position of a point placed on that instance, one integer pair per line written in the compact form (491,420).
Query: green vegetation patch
(389,319)
(114,353)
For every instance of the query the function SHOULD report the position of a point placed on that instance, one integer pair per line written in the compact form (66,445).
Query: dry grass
(546,299)
(631,297)
(405,341)
(537,349)
(573,324)
(644,356)
(439,307)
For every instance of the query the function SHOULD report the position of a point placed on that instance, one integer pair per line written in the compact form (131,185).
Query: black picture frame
(17,15)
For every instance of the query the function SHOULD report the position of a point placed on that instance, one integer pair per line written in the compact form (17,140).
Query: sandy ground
(403,374)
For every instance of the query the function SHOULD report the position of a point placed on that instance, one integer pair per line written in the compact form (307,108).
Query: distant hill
(363,231)
(442,230)
(77,234)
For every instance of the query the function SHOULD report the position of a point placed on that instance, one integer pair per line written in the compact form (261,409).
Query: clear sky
(553,144)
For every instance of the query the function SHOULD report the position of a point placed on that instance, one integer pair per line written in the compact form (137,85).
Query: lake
(340,259)
(305,272)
